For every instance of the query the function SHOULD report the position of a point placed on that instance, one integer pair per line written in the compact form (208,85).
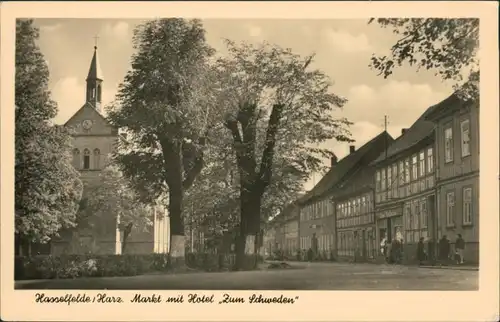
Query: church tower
(94,83)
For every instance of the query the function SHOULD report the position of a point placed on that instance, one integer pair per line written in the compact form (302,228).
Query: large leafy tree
(447,46)
(278,107)
(47,187)
(115,200)
(213,203)
(164,106)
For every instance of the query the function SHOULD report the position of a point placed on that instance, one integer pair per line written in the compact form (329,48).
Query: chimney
(403,131)
(352,148)
(333,160)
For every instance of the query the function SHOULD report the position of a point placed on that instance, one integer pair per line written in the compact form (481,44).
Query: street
(302,276)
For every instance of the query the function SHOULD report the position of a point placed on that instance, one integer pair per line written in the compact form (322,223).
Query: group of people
(393,250)
(444,250)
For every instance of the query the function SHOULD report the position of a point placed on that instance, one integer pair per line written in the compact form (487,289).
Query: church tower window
(97,159)
(76,159)
(86,159)
(99,93)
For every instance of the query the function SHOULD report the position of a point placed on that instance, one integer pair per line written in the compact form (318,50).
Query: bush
(72,266)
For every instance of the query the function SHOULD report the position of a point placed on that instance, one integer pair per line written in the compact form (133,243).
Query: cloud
(50,28)
(345,42)
(306,31)
(254,31)
(402,102)
(69,93)
(118,30)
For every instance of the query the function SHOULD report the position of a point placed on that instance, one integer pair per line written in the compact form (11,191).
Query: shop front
(389,226)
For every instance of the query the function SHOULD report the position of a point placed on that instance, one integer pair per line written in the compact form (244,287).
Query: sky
(343,49)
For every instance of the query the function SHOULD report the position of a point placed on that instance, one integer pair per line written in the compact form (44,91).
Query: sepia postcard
(250,161)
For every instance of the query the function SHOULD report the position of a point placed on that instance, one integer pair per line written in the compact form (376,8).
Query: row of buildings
(425,184)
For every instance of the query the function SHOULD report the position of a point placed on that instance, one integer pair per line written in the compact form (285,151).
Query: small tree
(276,106)
(47,187)
(114,203)
(448,46)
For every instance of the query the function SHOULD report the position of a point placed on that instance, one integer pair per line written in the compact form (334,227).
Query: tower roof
(95,68)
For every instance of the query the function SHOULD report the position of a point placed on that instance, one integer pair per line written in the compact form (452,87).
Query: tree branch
(265,172)
(198,164)
(232,125)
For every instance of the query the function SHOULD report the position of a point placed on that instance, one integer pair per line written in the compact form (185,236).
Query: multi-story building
(405,187)
(355,218)
(268,240)
(339,189)
(284,229)
(457,155)
(355,212)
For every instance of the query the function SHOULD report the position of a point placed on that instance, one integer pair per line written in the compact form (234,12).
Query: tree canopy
(47,187)
(165,107)
(276,109)
(447,46)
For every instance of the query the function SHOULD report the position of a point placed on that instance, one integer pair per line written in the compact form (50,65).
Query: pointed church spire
(94,82)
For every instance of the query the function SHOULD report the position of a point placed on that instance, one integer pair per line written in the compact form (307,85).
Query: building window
(389,178)
(363,204)
(448,145)
(86,159)
(467,207)
(465,131)
(407,171)
(416,214)
(383,180)
(430,160)
(378,181)
(97,159)
(422,164)
(414,167)
(423,213)
(401,173)
(395,174)
(76,159)
(450,208)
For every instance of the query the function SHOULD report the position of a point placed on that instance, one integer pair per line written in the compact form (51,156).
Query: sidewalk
(464,267)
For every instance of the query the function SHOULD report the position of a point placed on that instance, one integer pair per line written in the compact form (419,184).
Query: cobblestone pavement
(303,276)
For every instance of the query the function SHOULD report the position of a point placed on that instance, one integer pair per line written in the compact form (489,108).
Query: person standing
(459,247)
(444,249)
(421,256)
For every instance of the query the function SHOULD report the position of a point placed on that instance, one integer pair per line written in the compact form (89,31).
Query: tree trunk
(172,152)
(126,234)
(249,225)
(177,238)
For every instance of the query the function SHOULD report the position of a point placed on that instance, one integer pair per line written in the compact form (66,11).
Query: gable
(87,115)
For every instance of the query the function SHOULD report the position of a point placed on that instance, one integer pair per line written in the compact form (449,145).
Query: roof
(343,168)
(445,107)
(360,180)
(95,68)
(421,129)
(88,104)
